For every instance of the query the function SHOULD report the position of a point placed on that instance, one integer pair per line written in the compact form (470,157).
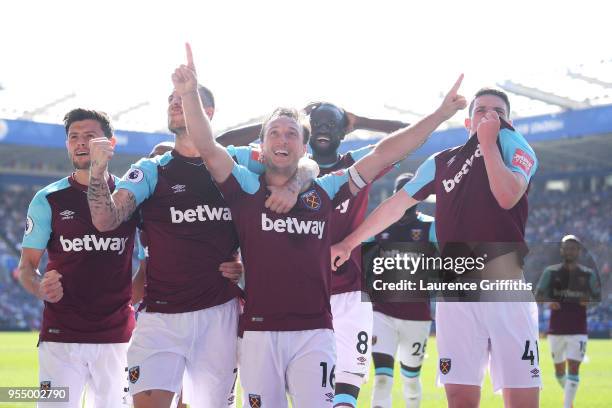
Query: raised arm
(506,185)
(387,213)
(356,122)
(398,145)
(218,161)
(107,211)
(241,136)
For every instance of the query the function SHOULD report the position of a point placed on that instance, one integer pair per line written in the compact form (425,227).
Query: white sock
(571,386)
(412,391)
(561,380)
(381,394)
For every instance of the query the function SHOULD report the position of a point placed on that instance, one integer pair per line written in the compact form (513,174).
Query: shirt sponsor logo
(292,225)
(522,160)
(200,213)
(93,243)
(67,215)
(450,184)
(178,188)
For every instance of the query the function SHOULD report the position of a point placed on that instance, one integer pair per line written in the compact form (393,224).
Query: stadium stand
(571,193)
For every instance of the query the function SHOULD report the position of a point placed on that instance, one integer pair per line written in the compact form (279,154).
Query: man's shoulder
(54,187)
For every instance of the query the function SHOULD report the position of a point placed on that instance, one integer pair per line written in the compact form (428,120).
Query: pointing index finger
(190,63)
(457,85)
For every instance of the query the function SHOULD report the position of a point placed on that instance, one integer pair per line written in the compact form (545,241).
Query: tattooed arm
(107,211)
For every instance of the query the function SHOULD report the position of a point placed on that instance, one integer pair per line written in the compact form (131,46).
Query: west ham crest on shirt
(255,400)
(134,374)
(415,233)
(45,385)
(311,200)
(445,365)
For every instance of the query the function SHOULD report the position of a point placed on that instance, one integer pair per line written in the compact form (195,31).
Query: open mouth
(323,138)
(81,153)
(281,153)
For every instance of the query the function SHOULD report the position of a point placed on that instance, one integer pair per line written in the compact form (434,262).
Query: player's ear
(467,123)
(210,112)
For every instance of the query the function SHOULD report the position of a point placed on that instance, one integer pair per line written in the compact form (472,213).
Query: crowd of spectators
(552,215)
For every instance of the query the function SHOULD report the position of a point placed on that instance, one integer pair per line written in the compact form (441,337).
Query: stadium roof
(531,94)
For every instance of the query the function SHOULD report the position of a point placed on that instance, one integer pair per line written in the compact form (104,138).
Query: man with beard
(286,339)
(87,318)
(190,311)
(567,288)
(402,322)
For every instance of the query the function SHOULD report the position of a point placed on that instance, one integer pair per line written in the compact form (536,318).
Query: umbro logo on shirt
(178,188)
(67,215)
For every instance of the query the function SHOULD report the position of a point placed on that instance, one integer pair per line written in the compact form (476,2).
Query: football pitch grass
(19,367)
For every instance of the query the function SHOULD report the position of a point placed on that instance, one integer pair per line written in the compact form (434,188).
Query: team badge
(255,400)
(522,160)
(415,233)
(29,225)
(445,365)
(45,385)
(312,200)
(134,374)
(256,155)
(135,176)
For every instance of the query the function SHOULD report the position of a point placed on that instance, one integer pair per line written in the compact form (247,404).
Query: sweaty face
(327,125)
(77,142)
(283,144)
(484,104)
(570,251)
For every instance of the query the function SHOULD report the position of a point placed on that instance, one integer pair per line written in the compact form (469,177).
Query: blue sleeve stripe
(360,153)
(141,178)
(432,234)
(345,399)
(38,223)
(410,374)
(510,141)
(249,181)
(425,174)
(332,183)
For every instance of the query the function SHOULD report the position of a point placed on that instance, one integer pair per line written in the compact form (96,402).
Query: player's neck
(325,158)
(82,176)
(278,177)
(570,265)
(184,146)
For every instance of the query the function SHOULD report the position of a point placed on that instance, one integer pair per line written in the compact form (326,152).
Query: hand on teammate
(340,253)
(488,129)
(232,270)
(101,150)
(554,305)
(50,289)
(453,101)
(282,199)
(184,77)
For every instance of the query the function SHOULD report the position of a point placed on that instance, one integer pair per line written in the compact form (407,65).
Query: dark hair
(208,100)
(289,113)
(79,114)
(491,91)
(401,181)
(332,106)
